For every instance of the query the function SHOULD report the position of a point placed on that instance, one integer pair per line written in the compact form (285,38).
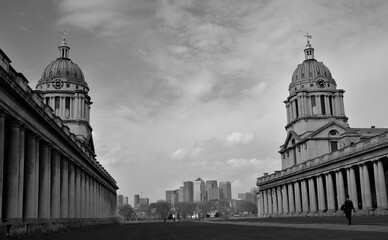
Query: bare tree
(126,211)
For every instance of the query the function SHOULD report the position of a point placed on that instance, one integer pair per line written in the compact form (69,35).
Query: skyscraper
(199,190)
(188,191)
(225,190)
(209,185)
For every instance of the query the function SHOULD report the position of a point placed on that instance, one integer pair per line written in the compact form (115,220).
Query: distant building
(136,200)
(125,200)
(181,194)
(172,197)
(248,196)
(199,190)
(213,193)
(144,201)
(210,184)
(188,191)
(225,190)
(120,200)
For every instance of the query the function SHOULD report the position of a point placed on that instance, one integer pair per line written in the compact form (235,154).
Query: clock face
(321,83)
(57,84)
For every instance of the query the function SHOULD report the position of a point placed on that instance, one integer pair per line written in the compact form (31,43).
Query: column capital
(3,112)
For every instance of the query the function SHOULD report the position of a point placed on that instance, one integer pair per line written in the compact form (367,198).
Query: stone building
(50,177)
(323,159)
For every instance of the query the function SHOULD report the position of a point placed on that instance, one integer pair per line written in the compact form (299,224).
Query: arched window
(293,141)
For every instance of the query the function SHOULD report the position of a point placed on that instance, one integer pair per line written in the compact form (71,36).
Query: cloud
(240,138)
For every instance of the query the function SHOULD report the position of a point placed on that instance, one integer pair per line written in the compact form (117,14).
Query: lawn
(204,231)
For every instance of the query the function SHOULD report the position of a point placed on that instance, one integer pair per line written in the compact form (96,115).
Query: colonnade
(324,193)
(42,182)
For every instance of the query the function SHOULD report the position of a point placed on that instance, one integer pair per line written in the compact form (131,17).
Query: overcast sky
(187,89)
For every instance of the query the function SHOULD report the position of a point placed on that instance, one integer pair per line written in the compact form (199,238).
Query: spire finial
(63,48)
(308,51)
(64,34)
(308,37)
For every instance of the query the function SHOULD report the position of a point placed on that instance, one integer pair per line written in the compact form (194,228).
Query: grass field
(206,231)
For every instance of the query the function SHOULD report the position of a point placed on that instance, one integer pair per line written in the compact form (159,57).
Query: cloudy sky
(186,89)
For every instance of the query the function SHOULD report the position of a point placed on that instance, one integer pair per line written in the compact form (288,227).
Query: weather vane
(308,36)
(65,33)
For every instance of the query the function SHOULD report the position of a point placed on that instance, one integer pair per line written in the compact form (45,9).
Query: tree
(186,209)
(246,206)
(126,211)
(224,208)
(206,207)
(163,209)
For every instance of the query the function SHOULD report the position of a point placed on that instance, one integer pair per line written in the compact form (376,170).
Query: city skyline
(182,89)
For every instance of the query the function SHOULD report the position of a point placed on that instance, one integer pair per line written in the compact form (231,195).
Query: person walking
(347,207)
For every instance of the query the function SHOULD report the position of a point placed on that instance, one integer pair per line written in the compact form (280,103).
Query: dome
(65,69)
(310,69)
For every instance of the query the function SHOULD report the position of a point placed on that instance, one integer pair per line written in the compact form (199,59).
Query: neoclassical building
(49,175)
(323,159)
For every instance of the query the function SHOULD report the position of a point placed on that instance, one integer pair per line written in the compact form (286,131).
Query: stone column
(37,190)
(12,171)
(377,183)
(87,195)
(64,187)
(44,179)
(353,187)
(270,209)
(71,189)
(77,192)
(298,200)
(2,173)
(265,200)
(285,199)
(279,201)
(362,185)
(330,192)
(275,201)
(340,188)
(312,196)
(305,196)
(55,185)
(382,183)
(367,194)
(21,170)
(321,194)
(30,177)
(83,204)
(291,197)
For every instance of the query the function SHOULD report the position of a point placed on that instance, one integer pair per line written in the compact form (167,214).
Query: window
(296,108)
(323,105)
(67,107)
(334,146)
(333,132)
(298,148)
(47,100)
(56,103)
(293,141)
(67,85)
(331,105)
(313,102)
(311,85)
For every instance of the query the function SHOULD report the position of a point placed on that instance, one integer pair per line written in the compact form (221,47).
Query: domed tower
(315,112)
(64,88)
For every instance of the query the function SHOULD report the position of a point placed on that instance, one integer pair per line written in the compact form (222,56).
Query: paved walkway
(328,226)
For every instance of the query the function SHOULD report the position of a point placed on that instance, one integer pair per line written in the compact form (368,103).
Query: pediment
(291,139)
(332,129)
